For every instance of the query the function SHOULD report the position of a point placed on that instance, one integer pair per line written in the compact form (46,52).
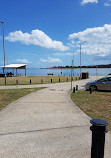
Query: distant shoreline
(78,67)
(81,68)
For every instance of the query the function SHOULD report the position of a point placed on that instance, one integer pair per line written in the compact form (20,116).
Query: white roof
(14,66)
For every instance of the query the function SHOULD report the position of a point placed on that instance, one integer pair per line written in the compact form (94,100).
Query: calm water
(65,72)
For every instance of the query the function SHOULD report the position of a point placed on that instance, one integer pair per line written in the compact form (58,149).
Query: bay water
(61,72)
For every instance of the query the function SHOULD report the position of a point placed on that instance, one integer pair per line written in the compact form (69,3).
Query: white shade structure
(15,66)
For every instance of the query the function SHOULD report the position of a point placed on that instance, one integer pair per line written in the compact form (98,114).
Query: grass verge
(97,105)
(25,80)
(9,95)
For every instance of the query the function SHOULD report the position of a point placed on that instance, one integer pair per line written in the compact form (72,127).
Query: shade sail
(15,66)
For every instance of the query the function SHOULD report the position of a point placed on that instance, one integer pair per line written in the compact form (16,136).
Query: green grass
(9,95)
(25,80)
(97,105)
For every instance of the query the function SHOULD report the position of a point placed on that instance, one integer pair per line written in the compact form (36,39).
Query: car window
(104,79)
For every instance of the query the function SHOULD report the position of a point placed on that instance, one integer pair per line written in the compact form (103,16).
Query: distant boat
(50,74)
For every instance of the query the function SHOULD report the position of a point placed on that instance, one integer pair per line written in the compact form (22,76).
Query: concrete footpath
(46,124)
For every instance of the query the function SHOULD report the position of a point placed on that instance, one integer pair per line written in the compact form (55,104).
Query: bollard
(67,79)
(59,80)
(30,81)
(16,82)
(90,89)
(98,129)
(73,89)
(41,80)
(51,80)
(76,87)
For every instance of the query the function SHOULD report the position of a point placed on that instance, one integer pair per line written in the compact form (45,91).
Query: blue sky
(44,33)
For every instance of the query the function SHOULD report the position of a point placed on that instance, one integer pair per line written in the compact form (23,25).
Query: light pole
(96,71)
(4,50)
(71,74)
(80,56)
(73,64)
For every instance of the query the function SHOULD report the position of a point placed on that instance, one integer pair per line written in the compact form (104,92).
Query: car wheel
(93,88)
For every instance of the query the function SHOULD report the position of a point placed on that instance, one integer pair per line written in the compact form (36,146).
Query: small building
(16,67)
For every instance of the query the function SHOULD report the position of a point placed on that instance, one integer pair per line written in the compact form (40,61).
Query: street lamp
(71,74)
(73,64)
(4,50)
(80,56)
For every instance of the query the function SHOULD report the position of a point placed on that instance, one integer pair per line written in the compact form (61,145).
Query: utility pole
(4,51)
(96,72)
(80,60)
(71,74)
(73,63)
(80,56)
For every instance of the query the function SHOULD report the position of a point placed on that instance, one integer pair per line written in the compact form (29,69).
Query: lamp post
(4,50)
(71,74)
(80,56)
(73,63)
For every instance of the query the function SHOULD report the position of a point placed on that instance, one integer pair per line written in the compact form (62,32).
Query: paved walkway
(46,124)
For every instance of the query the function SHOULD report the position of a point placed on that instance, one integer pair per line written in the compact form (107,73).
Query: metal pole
(25,70)
(80,60)
(96,71)
(73,63)
(16,72)
(71,76)
(4,50)
(61,71)
(80,56)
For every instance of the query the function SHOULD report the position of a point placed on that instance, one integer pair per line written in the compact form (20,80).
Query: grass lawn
(25,80)
(97,105)
(9,95)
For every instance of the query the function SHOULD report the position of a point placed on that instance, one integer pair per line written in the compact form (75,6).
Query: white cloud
(51,60)
(36,37)
(98,40)
(22,61)
(107,4)
(88,1)
(65,54)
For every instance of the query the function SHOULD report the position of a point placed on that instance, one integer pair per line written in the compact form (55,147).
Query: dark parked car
(2,75)
(100,84)
(9,74)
